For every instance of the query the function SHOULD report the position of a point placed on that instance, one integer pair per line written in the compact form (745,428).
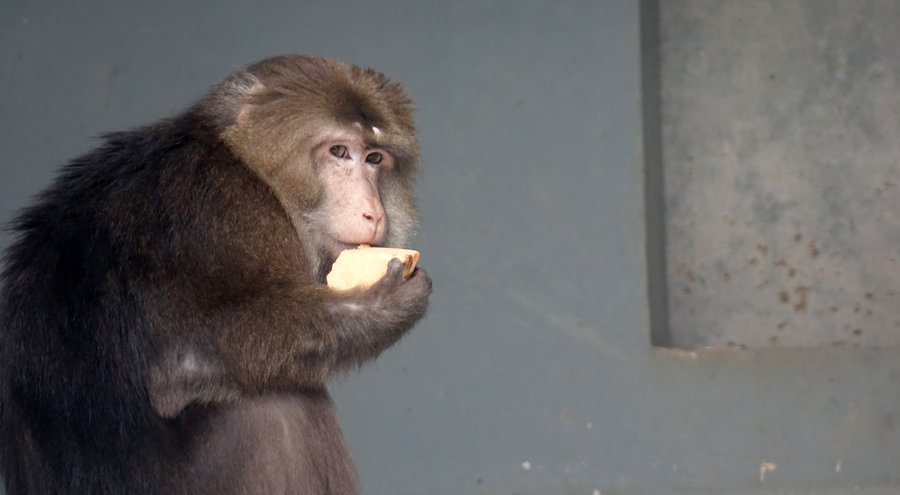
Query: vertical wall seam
(654,176)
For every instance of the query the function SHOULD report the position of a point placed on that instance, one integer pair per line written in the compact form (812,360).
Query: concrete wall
(534,372)
(781,138)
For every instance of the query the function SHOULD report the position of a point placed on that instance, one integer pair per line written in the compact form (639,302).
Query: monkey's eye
(374,158)
(339,151)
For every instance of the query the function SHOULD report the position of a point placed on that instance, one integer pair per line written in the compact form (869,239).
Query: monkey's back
(74,342)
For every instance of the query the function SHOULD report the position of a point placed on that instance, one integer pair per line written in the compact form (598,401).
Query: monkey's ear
(230,102)
(243,115)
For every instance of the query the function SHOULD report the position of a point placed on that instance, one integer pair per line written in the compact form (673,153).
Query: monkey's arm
(286,338)
(318,331)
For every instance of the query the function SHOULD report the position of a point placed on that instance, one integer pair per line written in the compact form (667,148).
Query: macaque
(164,322)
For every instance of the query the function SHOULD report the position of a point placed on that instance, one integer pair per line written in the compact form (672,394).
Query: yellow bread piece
(363,266)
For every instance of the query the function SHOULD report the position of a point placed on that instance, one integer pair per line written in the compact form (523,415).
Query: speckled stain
(782,159)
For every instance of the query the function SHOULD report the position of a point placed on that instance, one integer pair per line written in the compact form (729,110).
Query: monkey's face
(336,144)
(349,169)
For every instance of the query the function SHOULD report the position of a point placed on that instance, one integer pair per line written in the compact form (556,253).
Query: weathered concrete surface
(781,146)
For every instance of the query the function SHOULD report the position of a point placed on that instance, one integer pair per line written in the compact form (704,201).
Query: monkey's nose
(374,216)
(374,219)
(373,211)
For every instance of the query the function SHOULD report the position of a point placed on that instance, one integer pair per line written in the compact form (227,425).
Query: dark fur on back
(162,325)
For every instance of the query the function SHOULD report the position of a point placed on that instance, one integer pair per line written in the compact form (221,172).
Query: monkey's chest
(276,444)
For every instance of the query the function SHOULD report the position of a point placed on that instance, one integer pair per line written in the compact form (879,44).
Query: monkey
(164,322)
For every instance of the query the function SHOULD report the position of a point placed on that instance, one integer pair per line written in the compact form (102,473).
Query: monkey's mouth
(341,245)
(335,246)
(338,246)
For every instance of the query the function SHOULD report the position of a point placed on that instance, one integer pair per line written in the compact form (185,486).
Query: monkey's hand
(408,296)
(371,320)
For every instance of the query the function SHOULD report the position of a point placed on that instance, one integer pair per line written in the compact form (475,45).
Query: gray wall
(781,143)
(533,373)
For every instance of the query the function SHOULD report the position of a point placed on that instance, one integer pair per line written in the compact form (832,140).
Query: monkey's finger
(395,269)
(391,278)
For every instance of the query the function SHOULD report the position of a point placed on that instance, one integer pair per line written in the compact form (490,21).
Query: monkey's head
(336,144)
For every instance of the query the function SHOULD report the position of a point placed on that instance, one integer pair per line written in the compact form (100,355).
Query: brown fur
(163,323)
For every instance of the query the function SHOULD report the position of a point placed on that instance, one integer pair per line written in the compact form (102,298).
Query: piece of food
(363,266)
